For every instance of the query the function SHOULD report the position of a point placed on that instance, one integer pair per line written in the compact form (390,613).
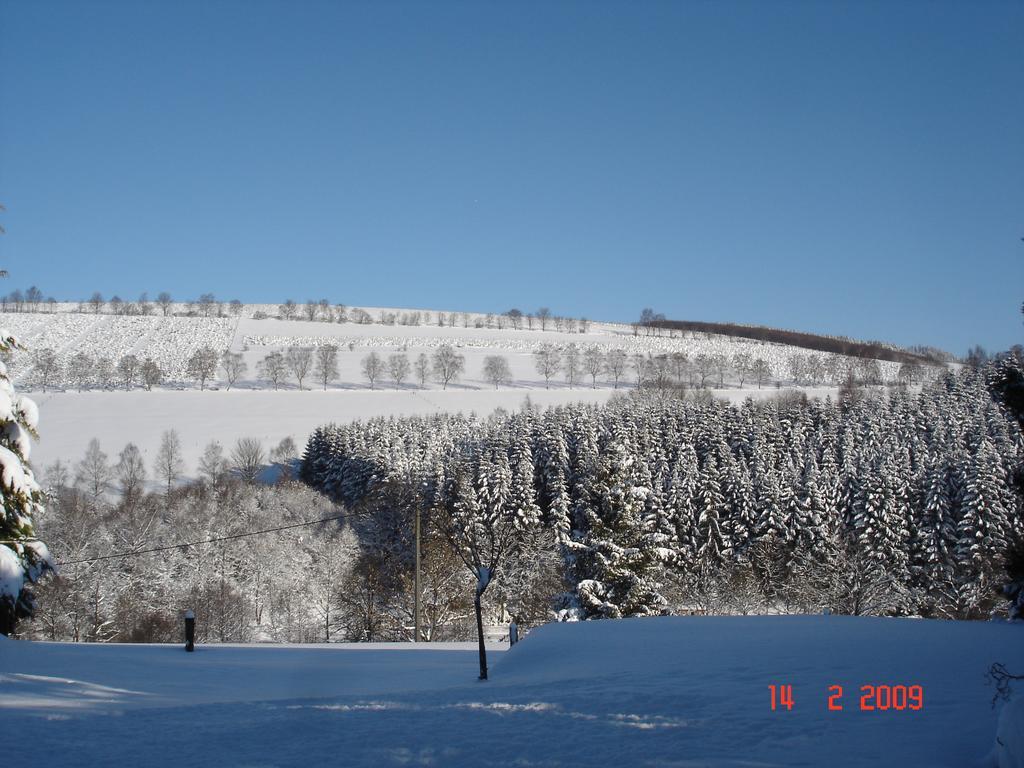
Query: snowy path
(666,692)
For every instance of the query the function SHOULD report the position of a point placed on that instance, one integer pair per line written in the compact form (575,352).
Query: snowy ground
(645,692)
(68,420)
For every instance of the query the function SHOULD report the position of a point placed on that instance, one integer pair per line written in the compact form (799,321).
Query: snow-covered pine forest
(894,505)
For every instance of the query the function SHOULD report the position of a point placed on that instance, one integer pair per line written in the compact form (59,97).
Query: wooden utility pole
(416,581)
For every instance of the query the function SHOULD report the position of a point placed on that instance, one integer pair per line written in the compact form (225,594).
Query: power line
(204,541)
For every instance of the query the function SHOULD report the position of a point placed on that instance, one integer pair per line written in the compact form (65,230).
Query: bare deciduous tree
(760,370)
(164,300)
(482,535)
(721,364)
(571,364)
(448,365)
(169,464)
(658,369)
(704,365)
(212,464)
(677,362)
(615,364)
(128,370)
(326,363)
(593,363)
(247,458)
(797,368)
(233,365)
(741,364)
(372,366)
(543,314)
(80,369)
(207,303)
(272,368)
(422,369)
(152,374)
(103,370)
(131,474)
(299,360)
(398,367)
(496,370)
(203,365)
(46,366)
(548,360)
(93,473)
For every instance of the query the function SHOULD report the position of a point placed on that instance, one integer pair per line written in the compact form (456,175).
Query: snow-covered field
(69,420)
(636,692)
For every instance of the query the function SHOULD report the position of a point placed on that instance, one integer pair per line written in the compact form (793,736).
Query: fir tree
(620,563)
(23,558)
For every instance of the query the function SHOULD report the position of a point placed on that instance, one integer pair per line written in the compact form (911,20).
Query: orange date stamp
(873,698)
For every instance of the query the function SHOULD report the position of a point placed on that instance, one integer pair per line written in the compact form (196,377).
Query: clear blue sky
(853,168)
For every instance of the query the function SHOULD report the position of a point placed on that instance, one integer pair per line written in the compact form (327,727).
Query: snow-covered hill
(673,691)
(252,408)
(171,340)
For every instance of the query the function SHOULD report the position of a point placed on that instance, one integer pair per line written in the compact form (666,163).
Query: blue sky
(852,168)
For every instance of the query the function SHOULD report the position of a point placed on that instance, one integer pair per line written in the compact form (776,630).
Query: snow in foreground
(673,691)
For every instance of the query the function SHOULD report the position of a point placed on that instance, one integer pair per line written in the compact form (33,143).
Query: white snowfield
(637,692)
(69,420)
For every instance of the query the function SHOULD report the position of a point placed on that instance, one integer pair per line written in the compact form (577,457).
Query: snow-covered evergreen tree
(618,557)
(23,558)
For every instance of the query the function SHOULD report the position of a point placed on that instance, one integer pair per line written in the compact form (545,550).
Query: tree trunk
(480,636)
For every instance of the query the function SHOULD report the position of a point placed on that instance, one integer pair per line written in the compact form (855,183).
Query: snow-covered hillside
(171,340)
(669,691)
(253,408)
